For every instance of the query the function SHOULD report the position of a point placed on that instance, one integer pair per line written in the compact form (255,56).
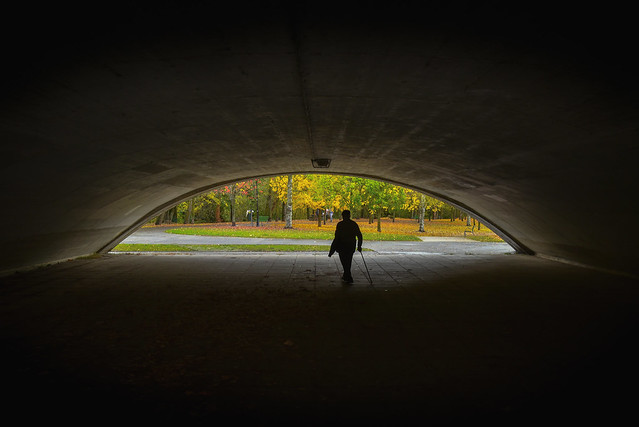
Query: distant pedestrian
(347,237)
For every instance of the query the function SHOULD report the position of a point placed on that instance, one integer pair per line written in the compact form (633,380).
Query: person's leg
(346,259)
(341,260)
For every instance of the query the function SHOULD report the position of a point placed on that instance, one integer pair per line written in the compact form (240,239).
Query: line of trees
(310,197)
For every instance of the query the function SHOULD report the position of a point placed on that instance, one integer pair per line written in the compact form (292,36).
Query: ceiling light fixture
(321,163)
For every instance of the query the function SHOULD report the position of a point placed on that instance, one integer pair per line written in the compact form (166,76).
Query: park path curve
(427,245)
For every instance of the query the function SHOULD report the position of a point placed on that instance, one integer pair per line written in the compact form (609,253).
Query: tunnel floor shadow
(278,337)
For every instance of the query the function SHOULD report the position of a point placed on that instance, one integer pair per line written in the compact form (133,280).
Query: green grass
(285,234)
(143,247)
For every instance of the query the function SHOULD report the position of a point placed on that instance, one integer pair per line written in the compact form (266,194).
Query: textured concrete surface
(452,339)
(524,115)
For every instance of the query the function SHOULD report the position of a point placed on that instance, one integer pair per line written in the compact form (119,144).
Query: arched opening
(369,197)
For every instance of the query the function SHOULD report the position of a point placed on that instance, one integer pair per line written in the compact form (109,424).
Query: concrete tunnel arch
(523,113)
(484,219)
(522,116)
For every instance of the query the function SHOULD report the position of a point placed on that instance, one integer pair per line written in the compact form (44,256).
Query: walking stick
(369,274)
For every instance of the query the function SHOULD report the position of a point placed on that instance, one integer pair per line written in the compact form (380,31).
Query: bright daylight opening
(299,213)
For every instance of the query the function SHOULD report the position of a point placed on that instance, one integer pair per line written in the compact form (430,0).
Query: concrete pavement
(277,337)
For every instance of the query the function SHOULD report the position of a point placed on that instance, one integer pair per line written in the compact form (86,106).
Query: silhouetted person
(344,242)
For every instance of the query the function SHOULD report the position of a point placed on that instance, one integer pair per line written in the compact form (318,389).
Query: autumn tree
(282,190)
(364,197)
(188,218)
(422,209)
(377,197)
(232,199)
(424,204)
(289,201)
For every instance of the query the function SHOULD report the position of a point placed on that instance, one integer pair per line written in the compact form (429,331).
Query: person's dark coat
(347,237)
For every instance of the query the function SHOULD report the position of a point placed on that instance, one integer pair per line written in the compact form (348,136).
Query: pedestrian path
(277,337)
(427,245)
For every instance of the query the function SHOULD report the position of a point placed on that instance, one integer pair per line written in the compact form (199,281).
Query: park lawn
(282,233)
(410,227)
(401,229)
(144,247)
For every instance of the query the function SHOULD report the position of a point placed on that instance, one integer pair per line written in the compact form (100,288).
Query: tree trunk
(270,202)
(189,212)
(318,212)
(379,220)
(289,203)
(232,197)
(257,205)
(422,209)
(168,216)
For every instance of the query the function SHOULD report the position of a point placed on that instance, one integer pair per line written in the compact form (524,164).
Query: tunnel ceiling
(525,117)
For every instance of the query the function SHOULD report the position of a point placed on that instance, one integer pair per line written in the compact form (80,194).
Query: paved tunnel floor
(278,337)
